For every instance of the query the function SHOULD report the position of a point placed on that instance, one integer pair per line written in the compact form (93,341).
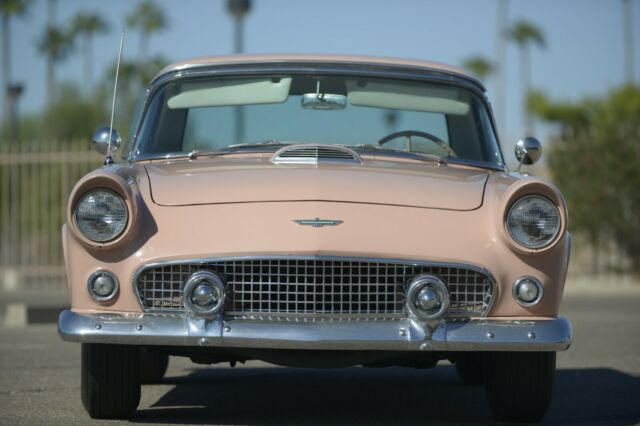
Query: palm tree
(87,25)
(8,9)
(627,26)
(478,66)
(56,45)
(500,71)
(525,34)
(149,19)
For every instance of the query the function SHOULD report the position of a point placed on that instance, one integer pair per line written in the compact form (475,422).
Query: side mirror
(528,151)
(101,140)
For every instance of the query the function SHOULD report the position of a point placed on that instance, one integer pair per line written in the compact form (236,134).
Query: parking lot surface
(598,382)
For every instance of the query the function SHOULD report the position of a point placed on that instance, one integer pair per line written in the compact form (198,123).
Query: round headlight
(533,221)
(101,215)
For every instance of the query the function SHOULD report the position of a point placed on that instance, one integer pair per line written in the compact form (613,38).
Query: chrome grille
(315,286)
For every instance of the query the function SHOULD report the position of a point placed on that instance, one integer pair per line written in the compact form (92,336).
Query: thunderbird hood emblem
(317,222)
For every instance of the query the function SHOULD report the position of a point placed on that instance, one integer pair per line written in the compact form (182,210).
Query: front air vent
(314,154)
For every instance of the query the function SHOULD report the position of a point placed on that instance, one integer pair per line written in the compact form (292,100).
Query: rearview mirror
(327,101)
(528,151)
(101,140)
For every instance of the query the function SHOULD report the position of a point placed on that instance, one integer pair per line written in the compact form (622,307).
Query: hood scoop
(315,154)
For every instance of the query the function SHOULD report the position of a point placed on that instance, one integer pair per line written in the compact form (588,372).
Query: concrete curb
(19,315)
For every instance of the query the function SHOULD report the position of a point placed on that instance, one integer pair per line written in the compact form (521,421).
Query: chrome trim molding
(303,66)
(552,334)
(318,223)
(373,155)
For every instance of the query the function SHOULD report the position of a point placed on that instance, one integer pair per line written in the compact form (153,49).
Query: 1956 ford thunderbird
(317,211)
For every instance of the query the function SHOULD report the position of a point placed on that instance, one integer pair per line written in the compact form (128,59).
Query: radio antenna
(109,158)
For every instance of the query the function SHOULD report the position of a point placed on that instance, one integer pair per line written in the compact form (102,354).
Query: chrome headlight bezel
(120,229)
(548,242)
(516,287)
(97,274)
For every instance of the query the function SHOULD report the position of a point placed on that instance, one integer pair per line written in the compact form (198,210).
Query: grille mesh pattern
(315,287)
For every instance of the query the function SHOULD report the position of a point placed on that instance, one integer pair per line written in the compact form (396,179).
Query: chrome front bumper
(482,334)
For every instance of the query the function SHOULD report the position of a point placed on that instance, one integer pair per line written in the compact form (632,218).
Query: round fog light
(427,297)
(527,291)
(204,293)
(102,285)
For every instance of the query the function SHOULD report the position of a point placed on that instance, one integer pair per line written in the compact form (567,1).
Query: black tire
(153,365)
(469,368)
(519,384)
(110,384)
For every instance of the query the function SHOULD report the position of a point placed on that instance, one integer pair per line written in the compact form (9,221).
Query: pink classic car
(318,211)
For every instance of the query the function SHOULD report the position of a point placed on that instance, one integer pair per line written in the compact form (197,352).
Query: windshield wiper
(229,149)
(259,143)
(204,153)
(417,155)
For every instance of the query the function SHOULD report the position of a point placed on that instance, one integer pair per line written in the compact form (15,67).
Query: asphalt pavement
(597,382)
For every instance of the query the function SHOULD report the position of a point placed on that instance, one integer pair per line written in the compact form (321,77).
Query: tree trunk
(628,41)
(88,62)
(52,9)
(142,49)
(526,88)
(595,254)
(6,67)
(51,80)
(501,61)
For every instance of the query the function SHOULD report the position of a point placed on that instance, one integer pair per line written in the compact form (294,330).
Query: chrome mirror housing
(528,150)
(327,101)
(101,140)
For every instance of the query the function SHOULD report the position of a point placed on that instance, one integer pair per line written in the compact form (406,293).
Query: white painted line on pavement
(22,346)
(16,315)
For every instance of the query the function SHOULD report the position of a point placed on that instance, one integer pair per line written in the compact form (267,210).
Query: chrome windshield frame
(328,68)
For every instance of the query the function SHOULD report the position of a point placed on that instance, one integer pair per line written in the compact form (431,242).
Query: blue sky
(584,54)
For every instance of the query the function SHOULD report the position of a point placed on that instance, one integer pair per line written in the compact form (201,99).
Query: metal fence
(35,181)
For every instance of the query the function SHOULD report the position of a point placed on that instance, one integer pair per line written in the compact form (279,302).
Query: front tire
(110,384)
(469,368)
(519,384)
(153,366)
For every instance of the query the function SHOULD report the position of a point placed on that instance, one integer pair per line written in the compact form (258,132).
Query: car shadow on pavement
(376,396)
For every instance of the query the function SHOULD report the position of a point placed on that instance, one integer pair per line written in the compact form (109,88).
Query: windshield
(226,113)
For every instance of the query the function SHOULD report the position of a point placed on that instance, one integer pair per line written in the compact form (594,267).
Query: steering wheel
(428,136)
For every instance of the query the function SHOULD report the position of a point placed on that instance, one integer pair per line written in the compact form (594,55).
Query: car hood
(244,180)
